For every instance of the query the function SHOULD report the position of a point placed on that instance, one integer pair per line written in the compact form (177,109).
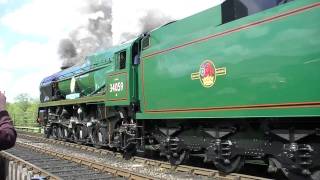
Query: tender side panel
(266,64)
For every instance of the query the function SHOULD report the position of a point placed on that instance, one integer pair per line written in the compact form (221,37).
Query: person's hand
(2,101)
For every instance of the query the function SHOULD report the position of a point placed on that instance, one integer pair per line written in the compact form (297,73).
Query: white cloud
(6,77)
(54,19)
(126,14)
(29,83)
(1,45)
(29,55)
(25,65)
(4,1)
(46,17)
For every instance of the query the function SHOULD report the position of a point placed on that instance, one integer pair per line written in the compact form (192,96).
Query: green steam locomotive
(237,82)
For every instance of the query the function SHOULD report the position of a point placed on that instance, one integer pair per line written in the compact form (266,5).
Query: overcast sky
(30,31)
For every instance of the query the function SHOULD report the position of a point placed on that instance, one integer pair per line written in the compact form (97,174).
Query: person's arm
(7,132)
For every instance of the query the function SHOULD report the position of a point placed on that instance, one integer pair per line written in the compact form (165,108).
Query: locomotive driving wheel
(79,134)
(98,136)
(66,133)
(60,134)
(63,133)
(54,132)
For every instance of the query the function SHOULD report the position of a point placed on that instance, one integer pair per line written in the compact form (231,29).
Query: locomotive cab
(49,90)
(122,82)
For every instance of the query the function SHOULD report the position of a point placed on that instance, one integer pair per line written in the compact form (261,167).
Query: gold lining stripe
(195,76)
(221,71)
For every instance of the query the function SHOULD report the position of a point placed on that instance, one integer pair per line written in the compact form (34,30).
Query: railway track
(48,165)
(136,168)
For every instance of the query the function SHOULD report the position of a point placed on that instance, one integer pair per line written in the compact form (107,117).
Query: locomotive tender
(236,82)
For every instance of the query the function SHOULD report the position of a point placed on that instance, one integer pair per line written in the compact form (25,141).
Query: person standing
(8,134)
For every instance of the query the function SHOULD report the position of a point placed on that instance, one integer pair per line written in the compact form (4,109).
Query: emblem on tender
(208,73)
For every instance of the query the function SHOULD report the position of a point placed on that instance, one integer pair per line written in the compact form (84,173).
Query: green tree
(23,110)
(23,101)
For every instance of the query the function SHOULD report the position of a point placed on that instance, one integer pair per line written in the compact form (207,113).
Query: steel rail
(105,168)
(35,169)
(210,173)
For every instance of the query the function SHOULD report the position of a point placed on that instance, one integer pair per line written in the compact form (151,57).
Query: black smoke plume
(97,33)
(68,52)
(85,40)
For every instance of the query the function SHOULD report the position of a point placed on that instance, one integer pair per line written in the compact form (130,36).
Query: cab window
(146,42)
(122,60)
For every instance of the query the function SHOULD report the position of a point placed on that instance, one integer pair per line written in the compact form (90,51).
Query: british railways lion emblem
(208,73)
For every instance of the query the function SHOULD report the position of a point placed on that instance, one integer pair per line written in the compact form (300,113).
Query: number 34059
(116,87)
